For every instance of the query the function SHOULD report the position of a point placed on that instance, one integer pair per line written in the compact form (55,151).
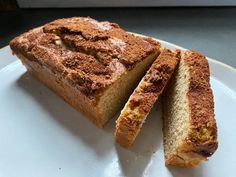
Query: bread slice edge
(141,101)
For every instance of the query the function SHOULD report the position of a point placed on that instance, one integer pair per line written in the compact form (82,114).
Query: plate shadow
(67,117)
(132,162)
(136,160)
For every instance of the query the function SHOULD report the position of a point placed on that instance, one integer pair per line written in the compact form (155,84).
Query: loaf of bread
(140,103)
(190,132)
(92,65)
(95,66)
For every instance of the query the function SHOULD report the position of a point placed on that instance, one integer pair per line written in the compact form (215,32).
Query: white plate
(42,136)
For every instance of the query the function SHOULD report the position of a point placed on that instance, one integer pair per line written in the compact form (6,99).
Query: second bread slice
(144,96)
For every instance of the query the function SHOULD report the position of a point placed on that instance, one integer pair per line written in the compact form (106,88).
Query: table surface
(211,31)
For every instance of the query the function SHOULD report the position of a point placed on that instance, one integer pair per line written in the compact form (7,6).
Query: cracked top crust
(91,55)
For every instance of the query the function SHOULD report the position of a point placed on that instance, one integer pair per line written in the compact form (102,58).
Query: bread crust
(79,101)
(88,56)
(144,96)
(91,55)
(201,141)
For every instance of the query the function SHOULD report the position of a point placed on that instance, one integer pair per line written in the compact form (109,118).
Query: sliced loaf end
(190,132)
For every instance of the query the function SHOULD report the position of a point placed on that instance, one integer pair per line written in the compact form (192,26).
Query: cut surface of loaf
(92,65)
(190,132)
(141,101)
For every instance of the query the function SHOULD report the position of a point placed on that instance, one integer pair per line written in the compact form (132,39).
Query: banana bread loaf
(92,65)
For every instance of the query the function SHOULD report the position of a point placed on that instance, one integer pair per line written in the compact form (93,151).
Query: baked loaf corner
(190,131)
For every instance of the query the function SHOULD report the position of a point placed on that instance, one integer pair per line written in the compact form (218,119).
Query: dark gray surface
(211,31)
(122,3)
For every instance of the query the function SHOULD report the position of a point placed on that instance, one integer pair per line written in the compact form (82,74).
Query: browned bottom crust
(185,157)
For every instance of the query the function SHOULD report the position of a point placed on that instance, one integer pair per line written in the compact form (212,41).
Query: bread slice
(190,132)
(144,96)
(92,65)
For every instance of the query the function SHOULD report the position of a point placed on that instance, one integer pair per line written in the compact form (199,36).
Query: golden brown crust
(201,141)
(201,103)
(143,98)
(60,86)
(154,81)
(91,55)
(185,157)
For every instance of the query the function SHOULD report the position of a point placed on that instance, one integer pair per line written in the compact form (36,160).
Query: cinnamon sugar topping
(91,54)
